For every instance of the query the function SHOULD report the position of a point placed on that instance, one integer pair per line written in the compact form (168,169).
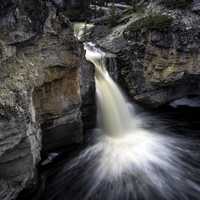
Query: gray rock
(46,87)
(156,65)
(88,91)
(196,6)
(59,3)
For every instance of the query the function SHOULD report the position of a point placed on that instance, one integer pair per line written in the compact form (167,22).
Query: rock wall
(46,89)
(76,10)
(157,48)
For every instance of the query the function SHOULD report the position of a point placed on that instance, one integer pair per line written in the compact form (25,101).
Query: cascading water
(126,161)
(115,114)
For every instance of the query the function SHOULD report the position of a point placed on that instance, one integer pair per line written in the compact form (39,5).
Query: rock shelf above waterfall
(157,51)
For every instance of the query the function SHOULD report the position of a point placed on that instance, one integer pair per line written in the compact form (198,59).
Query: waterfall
(126,161)
(115,116)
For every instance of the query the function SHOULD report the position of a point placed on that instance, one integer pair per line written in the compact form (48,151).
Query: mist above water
(127,161)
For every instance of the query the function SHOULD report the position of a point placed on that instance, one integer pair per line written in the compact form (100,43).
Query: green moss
(152,22)
(176,4)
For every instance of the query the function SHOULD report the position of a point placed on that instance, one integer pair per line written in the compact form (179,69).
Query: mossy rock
(176,4)
(152,22)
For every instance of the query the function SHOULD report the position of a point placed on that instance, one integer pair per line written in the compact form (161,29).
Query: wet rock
(88,91)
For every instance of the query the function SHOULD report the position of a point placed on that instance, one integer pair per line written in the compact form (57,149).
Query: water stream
(127,161)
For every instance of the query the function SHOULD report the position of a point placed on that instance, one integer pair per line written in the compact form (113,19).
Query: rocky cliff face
(46,89)
(157,48)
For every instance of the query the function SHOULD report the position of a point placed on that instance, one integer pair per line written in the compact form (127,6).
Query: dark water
(58,182)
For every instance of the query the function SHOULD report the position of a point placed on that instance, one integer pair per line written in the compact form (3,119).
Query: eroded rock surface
(44,81)
(157,48)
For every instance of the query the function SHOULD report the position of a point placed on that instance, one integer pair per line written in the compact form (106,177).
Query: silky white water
(115,115)
(125,160)
(126,146)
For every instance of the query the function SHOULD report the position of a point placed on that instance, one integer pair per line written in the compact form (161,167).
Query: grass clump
(176,4)
(152,22)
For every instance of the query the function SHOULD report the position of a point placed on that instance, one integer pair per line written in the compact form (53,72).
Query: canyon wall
(157,49)
(46,89)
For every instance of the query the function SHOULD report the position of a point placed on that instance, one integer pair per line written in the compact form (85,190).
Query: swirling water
(127,161)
